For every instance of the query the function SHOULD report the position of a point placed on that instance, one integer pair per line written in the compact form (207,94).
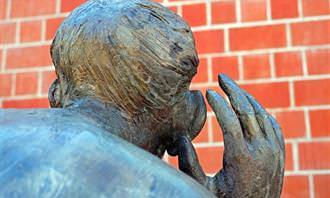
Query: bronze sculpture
(124,69)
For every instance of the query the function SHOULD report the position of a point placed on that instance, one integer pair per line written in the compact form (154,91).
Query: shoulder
(46,154)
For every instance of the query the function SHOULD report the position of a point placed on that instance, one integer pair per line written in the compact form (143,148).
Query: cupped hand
(254,153)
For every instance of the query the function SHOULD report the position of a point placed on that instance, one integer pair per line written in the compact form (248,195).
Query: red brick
(318,61)
(26,83)
(314,155)
(253,10)
(68,6)
(321,186)
(312,92)
(7,33)
(201,75)
(292,123)
(216,130)
(315,7)
(210,158)
(223,12)
(203,136)
(27,103)
(173,161)
(173,8)
(30,31)
(3,6)
(288,157)
(270,95)
(310,33)
(288,64)
(320,123)
(225,65)
(194,14)
(295,186)
(52,26)
(211,41)
(256,66)
(25,8)
(284,8)
(48,78)
(28,57)
(270,36)
(5,84)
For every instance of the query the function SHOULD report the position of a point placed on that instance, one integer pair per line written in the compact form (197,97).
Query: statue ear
(54,94)
(188,119)
(199,114)
(190,115)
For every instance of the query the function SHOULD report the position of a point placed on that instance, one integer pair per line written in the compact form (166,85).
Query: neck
(139,130)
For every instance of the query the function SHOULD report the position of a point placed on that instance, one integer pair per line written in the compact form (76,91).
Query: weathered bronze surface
(120,100)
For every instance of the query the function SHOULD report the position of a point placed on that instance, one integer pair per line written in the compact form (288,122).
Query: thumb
(188,160)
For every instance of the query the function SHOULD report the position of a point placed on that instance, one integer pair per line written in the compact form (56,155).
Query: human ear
(189,116)
(198,122)
(54,94)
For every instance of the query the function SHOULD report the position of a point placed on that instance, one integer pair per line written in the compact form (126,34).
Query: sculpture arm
(253,162)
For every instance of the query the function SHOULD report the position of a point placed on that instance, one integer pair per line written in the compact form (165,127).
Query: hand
(253,163)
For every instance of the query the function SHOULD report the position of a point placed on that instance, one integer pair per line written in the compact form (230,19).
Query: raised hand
(253,162)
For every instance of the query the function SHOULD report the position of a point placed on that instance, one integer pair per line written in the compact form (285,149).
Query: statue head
(136,55)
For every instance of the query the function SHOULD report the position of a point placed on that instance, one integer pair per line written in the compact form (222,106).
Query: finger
(263,120)
(188,160)
(278,132)
(229,123)
(242,107)
(279,175)
(277,181)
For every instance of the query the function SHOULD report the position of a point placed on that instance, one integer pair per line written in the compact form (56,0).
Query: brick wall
(278,50)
